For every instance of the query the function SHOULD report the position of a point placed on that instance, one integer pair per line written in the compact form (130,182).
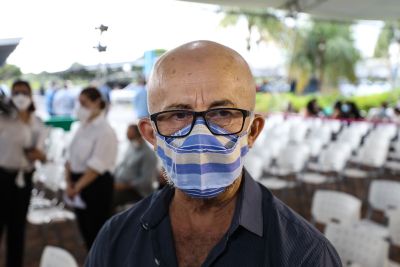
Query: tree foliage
(326,50)
(10,72)
(323,49)
(268,24)
(386,37)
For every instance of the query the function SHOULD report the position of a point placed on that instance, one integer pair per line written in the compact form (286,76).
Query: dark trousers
(98,197)
(14,202)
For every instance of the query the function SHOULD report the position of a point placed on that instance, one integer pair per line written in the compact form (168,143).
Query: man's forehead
(207,72)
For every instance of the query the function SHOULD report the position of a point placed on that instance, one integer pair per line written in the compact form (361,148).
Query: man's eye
(220,114)
(180,116)
(224,113)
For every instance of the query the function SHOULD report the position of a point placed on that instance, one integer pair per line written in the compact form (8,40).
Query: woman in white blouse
(92,156)
(22,137)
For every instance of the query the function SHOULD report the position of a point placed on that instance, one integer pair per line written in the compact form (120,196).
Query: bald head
(201,75)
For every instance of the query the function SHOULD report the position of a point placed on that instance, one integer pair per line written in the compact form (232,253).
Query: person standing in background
(63,101)
(22,137)
(135,175)
(92,156)
(50,93)
(140,99)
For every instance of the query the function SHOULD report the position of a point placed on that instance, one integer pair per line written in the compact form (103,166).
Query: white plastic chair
(254,165)
(384,195)
(333,206)
(291,159)
(331,160)
(57,257)
(323,134)
(373,153)
(350,136)
(315,146)
(394,227)
(361,127)
(298,132)
(333,125)
(356,246)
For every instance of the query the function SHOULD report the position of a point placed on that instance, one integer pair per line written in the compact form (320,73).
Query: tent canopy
(326,9)
(7,46)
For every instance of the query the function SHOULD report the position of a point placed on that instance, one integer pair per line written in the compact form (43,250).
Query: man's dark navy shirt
(263,232)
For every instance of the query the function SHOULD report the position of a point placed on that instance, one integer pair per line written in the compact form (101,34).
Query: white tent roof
(327,9)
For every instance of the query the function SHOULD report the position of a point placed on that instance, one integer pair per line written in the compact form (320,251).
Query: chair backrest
(293,157)
(254,165)
(357,246)
(350,136)
(361,127)
(334,125)
(322,133)
(57,257)
(335,157)
(374,154)
(298,132)
(275,145)
(384,195)
(315,146)
(333,206)
(394,227)
(389,130)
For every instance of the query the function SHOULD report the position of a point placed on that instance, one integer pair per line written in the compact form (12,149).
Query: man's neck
(202,213)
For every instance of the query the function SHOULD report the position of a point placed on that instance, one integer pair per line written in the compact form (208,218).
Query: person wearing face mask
(135,175)
(22,139)
(201,99)
(92,155)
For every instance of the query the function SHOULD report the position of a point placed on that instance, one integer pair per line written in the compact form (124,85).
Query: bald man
(202,123)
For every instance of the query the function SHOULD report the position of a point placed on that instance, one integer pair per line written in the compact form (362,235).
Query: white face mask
(83,114)
(22,102)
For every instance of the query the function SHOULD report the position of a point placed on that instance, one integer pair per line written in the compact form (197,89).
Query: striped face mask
(201,164)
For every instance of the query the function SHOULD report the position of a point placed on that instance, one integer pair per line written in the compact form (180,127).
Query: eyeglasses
(220,121)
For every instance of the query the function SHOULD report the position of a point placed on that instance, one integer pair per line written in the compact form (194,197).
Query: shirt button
(157,261)
(145,226)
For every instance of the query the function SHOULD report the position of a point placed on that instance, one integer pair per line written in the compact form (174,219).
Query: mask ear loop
(251,118)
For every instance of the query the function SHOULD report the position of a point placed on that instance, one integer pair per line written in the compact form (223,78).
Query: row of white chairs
(285,143)
(360,242)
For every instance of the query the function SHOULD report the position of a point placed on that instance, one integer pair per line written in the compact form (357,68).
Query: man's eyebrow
(178,106)
(224,102)
(218,103)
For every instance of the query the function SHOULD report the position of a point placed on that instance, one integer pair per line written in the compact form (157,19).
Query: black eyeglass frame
(196,114)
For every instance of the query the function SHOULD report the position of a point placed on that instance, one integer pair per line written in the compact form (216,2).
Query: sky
(55,34)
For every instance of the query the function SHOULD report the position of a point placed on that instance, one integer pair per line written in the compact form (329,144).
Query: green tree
(389,34)
(326,50)
(268,24)
(10,72)
(386,37)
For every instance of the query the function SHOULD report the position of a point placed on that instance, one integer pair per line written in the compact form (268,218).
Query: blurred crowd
(348,110)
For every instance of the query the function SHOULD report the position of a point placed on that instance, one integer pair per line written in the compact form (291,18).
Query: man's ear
(255,129)
(147,131)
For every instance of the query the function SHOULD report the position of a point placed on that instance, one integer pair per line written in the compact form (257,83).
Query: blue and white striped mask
(203,165)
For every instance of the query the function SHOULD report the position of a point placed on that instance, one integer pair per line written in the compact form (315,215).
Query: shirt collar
(248,213)
(251,215)
(98,120)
